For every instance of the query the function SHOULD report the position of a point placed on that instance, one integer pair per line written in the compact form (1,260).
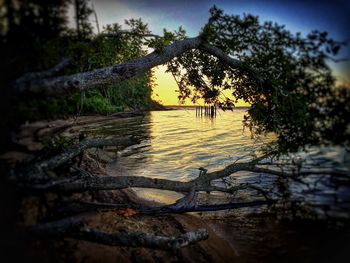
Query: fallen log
(144,240)
(73,227)
(85,183)
(167,209)
(93,183)
(57,228)
(204,208)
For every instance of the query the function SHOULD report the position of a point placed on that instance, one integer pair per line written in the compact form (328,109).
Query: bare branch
(173,208)
(234,63)
(144,240)
(111,183)
(108,75)
(231,169)
(61,65)
(67,61)
(74,227)
(86,181)
(204,208)
(53,229)
(37,171)
(300,173)
(103,76)
(244,186)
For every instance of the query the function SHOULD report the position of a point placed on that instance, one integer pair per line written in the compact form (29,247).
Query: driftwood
(37,171)
(92,183)
(58,228)
(74,228)
(144,240)
(204,208)
(85,181)
(166,209)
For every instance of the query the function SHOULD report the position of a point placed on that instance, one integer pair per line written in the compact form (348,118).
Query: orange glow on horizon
(165,89)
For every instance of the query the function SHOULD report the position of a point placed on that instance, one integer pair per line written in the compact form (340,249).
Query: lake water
(175,143)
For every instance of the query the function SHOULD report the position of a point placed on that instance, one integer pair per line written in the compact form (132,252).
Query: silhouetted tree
(283,76)
(82,14)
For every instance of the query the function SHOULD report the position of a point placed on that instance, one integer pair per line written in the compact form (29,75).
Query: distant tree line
(34,35)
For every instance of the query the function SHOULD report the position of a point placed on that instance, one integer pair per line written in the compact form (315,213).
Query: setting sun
(165,90)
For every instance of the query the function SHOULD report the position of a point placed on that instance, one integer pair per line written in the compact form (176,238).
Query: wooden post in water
(212,111)
(206,110)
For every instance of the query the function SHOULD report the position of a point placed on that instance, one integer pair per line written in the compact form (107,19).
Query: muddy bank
(234,237)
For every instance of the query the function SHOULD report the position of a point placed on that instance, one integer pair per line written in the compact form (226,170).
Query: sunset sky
(298,16)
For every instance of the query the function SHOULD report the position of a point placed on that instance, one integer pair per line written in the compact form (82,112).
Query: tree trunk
(79,82)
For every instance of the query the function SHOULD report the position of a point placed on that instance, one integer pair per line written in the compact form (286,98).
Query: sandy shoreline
(234,238)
